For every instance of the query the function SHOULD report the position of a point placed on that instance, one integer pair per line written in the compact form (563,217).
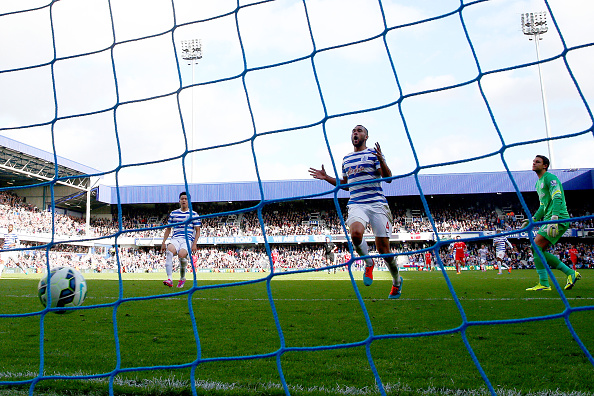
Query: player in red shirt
(428,261)
(459,253)
(573,255)
(275,257)
(347,257)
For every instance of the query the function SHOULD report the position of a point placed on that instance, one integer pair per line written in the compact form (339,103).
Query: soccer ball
(68,288)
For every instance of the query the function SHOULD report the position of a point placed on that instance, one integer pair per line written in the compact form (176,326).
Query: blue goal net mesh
(427,73)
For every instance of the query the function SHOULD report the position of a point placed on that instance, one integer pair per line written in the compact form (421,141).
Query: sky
(282,83)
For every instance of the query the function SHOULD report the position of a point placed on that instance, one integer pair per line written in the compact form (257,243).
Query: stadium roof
(23,165)
(436,184)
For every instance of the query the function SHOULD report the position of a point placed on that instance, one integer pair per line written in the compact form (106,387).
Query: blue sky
(443,126)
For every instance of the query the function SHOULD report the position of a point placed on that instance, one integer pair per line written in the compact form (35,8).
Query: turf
(322,335)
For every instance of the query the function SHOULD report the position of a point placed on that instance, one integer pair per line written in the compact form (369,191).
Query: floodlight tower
(191,51)
(534,24)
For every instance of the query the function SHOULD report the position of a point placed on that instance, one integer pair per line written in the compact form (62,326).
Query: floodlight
(535,24)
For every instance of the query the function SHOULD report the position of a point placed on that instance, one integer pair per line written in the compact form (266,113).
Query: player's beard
(358,142)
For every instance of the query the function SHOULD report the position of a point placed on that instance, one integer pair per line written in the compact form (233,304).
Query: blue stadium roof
(435,184)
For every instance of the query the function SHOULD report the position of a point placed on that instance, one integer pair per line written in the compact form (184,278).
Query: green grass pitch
(315,310)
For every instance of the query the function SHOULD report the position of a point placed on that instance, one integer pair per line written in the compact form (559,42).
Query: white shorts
(501,254)
(6,256)
(483,260)
(376,215)
(180,243)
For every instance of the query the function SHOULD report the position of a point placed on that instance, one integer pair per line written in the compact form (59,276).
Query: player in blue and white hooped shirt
(483,253)
(500,243)
(367,203)
(183,234)
(11,241)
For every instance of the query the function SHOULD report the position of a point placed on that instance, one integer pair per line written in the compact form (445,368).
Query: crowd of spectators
(288,219)
(284,258)
(29,220)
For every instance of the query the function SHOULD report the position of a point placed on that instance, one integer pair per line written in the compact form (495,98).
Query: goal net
(165,92)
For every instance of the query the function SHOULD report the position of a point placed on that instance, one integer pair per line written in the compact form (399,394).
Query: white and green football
(68,289)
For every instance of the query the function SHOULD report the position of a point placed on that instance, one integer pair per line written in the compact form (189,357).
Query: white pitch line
(167,384)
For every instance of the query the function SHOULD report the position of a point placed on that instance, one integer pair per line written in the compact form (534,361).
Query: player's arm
(165,236)
(195,244)
(384,169)
(554,191)
(539,214)
(556,194)
(321,174)
(556,198)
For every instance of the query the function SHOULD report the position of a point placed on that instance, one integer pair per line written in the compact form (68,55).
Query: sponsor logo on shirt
(354,170)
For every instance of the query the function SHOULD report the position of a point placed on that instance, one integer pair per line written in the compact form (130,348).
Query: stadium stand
(470,205)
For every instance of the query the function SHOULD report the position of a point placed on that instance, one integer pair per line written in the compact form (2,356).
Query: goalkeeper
(552,207)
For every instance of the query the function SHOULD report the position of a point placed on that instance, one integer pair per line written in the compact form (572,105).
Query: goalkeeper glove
(553,229)
(525,223)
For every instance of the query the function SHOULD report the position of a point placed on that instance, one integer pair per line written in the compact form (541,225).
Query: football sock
(558,264)
(169,264)
(183,262)
(363,250)
(393,268)
(543,276)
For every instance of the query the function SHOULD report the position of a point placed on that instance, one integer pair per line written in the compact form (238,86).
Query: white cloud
(284,97)
(85,85)
(187,11)
(81,27)
(146,68)
(135,19)
(336,22)
(24,46)
(26,97)
(574,18)
(429,83)
(274,32)
(444,126)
